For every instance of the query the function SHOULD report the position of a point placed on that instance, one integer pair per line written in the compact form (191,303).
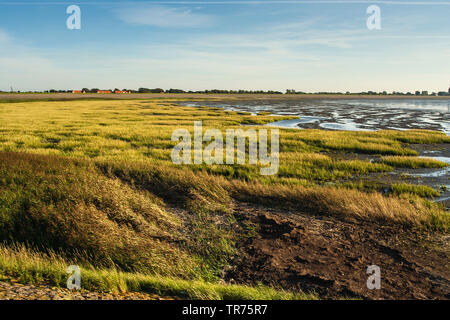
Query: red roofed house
(104,91)
(76,91)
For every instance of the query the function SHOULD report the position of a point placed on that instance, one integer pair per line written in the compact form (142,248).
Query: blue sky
(198,45)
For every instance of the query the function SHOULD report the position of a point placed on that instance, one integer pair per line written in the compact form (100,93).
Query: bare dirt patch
(297,251)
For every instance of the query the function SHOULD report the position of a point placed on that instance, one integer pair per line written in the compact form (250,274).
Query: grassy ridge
(412,162)
(60,204)
(35,267)
(116,216)
(348,204)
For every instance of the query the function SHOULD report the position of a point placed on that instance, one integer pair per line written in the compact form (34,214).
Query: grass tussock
(412,162)
(197,192)
(344,203)
(419,190)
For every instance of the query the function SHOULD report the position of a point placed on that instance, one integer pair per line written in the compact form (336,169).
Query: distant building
(101,91)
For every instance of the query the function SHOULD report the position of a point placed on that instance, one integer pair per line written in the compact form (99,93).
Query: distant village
(288,91)
(222,91)
(101,91)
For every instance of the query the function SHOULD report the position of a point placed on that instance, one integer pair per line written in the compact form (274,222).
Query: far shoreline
(13,97)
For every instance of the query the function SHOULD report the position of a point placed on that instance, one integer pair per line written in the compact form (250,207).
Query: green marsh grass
(412,162)
(94,180)
(422,191)
(31,266)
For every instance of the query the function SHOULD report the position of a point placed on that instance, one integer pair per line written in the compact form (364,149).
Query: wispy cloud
(3,36)
(164,17)
(311,54)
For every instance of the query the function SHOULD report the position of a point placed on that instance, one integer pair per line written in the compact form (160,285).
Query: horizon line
(224,2)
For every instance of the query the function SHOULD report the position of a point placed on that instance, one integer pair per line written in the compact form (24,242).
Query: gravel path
(13,290)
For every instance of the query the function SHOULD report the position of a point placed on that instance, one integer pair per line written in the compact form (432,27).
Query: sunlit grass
(30,266)
(422,191)
(412,162)
(141,130)
(95,179)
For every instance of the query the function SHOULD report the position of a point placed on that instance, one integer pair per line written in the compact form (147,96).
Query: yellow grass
(94,180)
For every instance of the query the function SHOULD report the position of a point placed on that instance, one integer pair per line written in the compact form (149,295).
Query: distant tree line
(146,90)
(222,91)
(219,91)
(160,90)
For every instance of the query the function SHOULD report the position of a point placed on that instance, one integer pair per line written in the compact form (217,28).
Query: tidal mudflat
(354,115)
(365,115)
